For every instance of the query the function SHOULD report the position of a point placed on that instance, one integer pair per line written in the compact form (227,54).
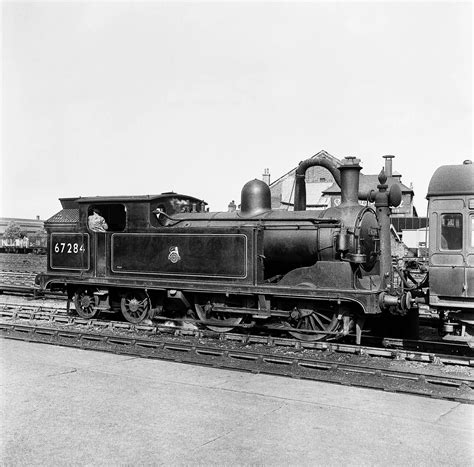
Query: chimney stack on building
(266,176)
(388,165)
(232,206)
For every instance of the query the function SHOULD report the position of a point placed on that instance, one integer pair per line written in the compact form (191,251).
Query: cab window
(107,217)
(451,231)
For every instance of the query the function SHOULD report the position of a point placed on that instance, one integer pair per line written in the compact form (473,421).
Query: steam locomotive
(313,274)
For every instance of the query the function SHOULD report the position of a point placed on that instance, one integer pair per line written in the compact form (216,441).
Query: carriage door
(470,251)
(452,249)
(447,245)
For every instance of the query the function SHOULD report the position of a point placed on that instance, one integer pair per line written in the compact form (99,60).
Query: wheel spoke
(316,318)
(327,318)
(307,324)
(315,323)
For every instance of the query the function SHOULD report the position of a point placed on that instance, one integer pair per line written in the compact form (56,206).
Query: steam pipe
(300,187)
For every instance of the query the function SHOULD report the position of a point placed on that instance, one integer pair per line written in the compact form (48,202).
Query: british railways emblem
(174,254)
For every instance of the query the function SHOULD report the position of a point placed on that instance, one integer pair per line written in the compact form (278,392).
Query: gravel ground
(11,262)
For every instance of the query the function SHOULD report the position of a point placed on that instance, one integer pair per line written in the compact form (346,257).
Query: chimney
(349,169)
(231,207)
(266,176)
(37,218)
(388,165)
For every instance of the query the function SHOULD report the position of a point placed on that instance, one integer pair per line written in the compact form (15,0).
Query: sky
(130,98)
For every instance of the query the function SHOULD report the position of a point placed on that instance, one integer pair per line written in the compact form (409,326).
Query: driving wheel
(84,303)
(135,306)
(225,321)
(311,320)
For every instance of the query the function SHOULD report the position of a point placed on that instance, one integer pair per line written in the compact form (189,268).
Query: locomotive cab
(75,249)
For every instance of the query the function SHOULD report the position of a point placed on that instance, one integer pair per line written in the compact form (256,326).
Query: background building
(28,226)
(24,235)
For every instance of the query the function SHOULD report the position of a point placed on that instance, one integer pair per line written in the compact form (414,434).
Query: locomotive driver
(97,222)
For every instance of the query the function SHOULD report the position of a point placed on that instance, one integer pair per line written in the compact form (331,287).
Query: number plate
(69,251)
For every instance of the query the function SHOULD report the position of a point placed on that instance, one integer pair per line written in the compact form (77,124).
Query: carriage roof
(449,180)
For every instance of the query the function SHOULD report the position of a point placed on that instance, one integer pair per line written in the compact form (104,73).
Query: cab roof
(75,202)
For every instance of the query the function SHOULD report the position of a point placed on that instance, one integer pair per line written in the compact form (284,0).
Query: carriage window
(451,231)
(114,217)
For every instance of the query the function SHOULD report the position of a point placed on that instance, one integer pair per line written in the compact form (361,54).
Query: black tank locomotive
(315,274)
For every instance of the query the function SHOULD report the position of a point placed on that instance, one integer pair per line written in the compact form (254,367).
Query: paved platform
(63,406)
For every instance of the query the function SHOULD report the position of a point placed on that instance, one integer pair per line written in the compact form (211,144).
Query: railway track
(55,311)
(18,272)
(22,282)
(388,369)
